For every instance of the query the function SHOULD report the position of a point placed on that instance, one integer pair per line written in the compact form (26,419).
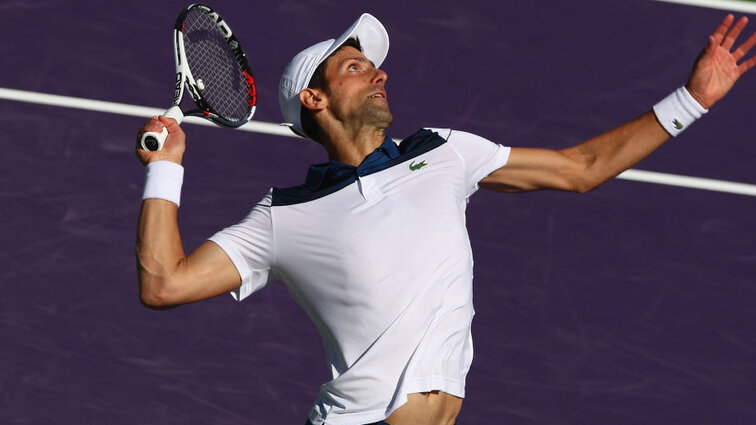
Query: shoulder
(458,136)
(467,144)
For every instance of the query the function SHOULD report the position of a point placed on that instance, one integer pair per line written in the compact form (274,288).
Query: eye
(353,68)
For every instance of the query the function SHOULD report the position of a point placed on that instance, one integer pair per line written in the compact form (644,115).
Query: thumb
(170,124)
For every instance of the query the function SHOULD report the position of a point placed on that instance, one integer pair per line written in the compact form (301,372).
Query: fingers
(721,30)
(725,36)
(743,49)
(746,65)
(732,35)
(170,124)
(157,124)
(174,146)
(153,124)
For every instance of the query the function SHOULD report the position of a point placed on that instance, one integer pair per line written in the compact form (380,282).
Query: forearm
(159,248)
(607,155)
(714,74)
(167,276)
(584,167)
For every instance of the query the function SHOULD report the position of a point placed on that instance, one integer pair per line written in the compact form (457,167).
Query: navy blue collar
(328,174)
(324,179)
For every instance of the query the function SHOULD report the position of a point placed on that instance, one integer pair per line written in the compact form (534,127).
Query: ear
(312,99)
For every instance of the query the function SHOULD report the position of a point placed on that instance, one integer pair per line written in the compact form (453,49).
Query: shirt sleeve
(480,156)
(249,245)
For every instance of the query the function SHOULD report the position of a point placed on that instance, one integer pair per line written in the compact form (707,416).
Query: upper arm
(530,169)
(235,260)
(206,273)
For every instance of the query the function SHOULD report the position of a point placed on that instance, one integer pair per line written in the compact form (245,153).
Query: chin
(380,117)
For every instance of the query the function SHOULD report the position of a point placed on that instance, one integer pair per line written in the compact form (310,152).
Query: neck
(351,147)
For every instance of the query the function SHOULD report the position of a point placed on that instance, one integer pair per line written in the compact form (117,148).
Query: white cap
(296,77)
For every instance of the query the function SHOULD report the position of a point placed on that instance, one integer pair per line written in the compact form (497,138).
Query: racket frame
(185,81)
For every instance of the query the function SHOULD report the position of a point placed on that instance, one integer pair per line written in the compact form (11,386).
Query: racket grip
(152,140)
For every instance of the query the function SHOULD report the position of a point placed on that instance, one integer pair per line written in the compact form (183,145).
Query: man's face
(356,93)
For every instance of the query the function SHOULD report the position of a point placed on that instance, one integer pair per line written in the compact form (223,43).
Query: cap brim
(372,37)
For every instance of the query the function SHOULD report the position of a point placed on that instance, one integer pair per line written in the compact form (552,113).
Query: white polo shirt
(382,264)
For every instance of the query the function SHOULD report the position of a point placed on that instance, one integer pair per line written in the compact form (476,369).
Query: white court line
(279,130)
(731,5)
(688,181)
(130,110)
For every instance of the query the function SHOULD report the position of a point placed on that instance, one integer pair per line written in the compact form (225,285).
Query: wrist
(698,98)
(163,180)
(678,111)
(164,156)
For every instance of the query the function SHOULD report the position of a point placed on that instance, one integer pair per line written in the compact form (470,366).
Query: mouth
(378,95)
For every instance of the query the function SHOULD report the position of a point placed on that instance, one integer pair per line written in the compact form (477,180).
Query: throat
(354,148)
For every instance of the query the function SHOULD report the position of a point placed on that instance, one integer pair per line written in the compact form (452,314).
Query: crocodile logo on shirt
(415,167)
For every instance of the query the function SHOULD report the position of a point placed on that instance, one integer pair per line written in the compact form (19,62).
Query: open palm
(717,68)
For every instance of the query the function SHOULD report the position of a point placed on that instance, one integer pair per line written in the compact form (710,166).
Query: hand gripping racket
(212,66)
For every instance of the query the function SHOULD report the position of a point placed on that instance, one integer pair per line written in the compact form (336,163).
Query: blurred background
(632,304)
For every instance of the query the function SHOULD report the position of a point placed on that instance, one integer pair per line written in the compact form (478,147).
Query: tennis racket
(212,67)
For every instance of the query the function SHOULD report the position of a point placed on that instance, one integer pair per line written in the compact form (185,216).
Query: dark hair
(318,82)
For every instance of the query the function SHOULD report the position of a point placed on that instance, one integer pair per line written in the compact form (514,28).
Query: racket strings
(211,60)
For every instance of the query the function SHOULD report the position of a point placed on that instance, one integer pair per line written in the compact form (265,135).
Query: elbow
(589,180)
(576,173)
(583,178)
(153,301)
(155,293)
(578,182)
(583,187)
(159,285)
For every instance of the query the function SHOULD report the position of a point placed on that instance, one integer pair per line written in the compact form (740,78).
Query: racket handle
(152,140)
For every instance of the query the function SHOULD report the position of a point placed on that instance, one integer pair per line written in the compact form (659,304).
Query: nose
(380,77)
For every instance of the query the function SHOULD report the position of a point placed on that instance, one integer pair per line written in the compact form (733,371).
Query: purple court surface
(630,305)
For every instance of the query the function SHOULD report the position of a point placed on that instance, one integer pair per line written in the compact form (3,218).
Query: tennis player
(383,265)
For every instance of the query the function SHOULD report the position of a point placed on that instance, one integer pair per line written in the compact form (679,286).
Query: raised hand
(717,68)
(175,144)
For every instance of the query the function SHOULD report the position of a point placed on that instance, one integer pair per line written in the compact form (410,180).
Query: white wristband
(163,180)
(678,111)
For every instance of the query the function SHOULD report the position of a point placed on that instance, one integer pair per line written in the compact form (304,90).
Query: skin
(353,112)
(584,167)
(353,124)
